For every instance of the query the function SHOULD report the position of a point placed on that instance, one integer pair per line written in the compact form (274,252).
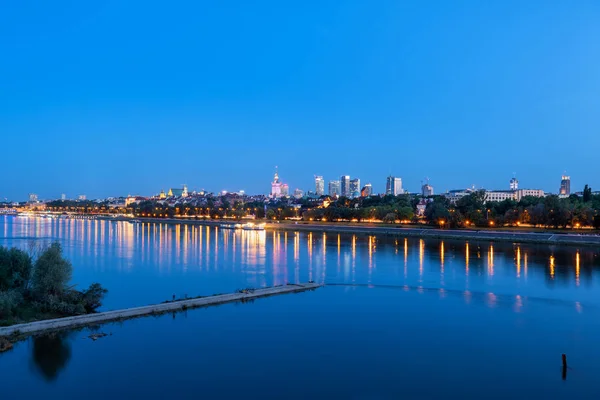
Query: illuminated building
(278,189)
(82,197)
(162,195)
(427,190)
(298,193)
(393,186)
(565,186)
(33,198)
(514,184)
(63,197)
(319,186)
(355,188)
(367,190)
(345,185)
(334,188)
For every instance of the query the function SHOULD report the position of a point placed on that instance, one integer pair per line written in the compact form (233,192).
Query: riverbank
(178,305)
(516,236)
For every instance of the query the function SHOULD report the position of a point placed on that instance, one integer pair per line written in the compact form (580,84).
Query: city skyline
(467,94)
(328,187)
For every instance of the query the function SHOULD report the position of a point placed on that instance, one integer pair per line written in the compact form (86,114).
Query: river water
(399,318)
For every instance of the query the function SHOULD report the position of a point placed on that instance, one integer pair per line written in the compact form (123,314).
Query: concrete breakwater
(178,305)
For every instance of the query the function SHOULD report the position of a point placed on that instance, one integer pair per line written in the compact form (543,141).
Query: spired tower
(276,185)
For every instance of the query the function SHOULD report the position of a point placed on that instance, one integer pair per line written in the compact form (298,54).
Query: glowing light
(421,256)
(491,261)
(442,255)
(519,262)
(552,267)
(577,267)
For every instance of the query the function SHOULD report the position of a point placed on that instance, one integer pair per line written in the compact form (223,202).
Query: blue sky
(115,97)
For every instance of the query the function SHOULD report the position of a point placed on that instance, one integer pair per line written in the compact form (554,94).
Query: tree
(405,213)
(389,218)
(587,194)
(93,296)
(437,211)
(15,269)
(51,272)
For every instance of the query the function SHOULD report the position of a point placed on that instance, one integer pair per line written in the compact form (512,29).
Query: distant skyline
(133,97)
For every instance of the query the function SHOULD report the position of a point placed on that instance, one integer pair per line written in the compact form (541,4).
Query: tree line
(550,211)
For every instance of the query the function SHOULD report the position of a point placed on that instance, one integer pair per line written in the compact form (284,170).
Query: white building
(427,190)
(529,192)
(276,186)
(500,195)
(319,185)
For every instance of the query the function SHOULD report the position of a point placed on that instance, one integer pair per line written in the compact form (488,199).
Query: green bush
(10,301)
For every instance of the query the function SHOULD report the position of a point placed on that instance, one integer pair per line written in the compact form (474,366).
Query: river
(398,318)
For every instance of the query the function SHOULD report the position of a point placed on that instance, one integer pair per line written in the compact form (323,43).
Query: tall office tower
(319,185)
(565,186)
(334,188)
(345,185)
(354,188)
(393,186)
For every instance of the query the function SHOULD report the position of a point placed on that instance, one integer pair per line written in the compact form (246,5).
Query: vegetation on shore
(550,211)
(35,286)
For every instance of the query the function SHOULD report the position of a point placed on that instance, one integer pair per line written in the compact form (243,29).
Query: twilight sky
(120,97)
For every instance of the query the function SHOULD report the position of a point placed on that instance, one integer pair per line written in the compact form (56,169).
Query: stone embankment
(171,306)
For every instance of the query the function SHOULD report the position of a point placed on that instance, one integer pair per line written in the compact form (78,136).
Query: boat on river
(253,227)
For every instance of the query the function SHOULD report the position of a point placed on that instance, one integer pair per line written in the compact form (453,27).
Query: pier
(171,306)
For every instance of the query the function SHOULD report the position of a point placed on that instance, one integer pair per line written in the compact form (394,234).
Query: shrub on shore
(38,289)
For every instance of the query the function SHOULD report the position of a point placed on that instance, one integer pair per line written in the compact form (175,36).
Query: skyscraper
(393,186)
(345,185)
(319,185)
(33,198)
(63,196)
(427,190)
(276,186)
(355,188)
(565,186)
(334,188)
(367,190)
(298,193)
(285,190)
(514,184)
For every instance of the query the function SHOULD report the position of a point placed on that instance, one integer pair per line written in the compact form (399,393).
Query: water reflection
(148,262)
(51,354)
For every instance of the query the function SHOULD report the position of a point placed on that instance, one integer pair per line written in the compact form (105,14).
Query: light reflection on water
(147,262)
(397,313)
